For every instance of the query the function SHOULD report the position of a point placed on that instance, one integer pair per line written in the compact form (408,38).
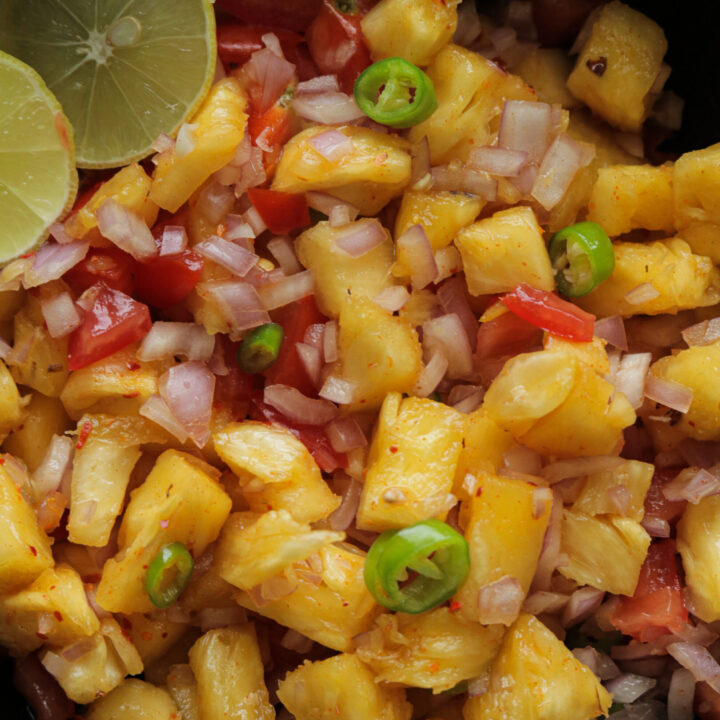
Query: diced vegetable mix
(387,388)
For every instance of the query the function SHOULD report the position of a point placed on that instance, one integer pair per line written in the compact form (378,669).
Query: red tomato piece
(287,369)
(237,42)
(111,265)
(548,312)
(656,504)
(657,607)
(275,126)
(113,321)
(507,334)
(235,389)
(164,281)
(337,45)
(280,211)
(287,14)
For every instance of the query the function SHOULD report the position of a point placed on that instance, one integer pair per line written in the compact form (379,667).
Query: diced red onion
(253,219)
(293,640)
(271,73)
(588,656)
(345,434)
(417,253)
(550,553)
(282,250)
(324,203)
(681,695)
(362,237)
(320,84)
(545,602)
(392,298)
(297,407)
(340,215)
(237,259)
(459,178)
(500,602)
(627,688)
(632,143)
(498,161)
(701,454)
(125,229)
(311,359)
(447,335)
(630,377)
(582,604)
(645,292)
(286,290)
(251,174)
(668,393)
(328,108)
(656,526)
(55,464)
(454,298)
(469,26)
(5,349)
(701,633)
(239,303)
(470,400)
(314,335)
(60,315)
(330,341)
(52,261)
(578,467)
(542,498)
(162,143)
(188,391)
(526,127)
(186,139)
(167,339)
(431,374)
(612,329)
(338,390)
(236,228)
(420,162)
(215,201)
(332,145)
(520,17)
(698,661)
(173,240)
(57,233)
(692,485)
(703,333)
(272,43)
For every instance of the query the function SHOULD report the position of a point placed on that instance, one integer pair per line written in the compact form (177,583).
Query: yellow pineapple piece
(695,178)
(221,122)
(11,405)
(703,239)
(592,354)
(341,688)
(504,250)
(207,590)
(412,462)
(338,274)
(230,677)
(605,552)
(183,690)
(152,635)
(376,171)
(535,677)
(628,197)
(275,470)
(379,352)
(618,65)
(435,650)
(134,700)
(180,501)
(546,71)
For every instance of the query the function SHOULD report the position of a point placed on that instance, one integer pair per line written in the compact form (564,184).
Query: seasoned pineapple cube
(183,690)
(230,678)
(11,406)
(341,688)
(276,470)
(152,635)
(699,369)
(332,612)
(628,197)
(504,250)
(505,534)
(434,650)
(605,552)
(54,609)
(180,501)
(412,462)
(205,590)
(703,239)
(379,352)
(618,65)
(253,548)
(338,274)
(411,29)
(535,677)
(134,700)
(593,353)
(373,173)
(546,70)
(471,94)
(695,180)
(221,122)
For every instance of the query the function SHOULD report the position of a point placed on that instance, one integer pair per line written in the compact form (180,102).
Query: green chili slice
(416,568)
(168,573)
(260,348)
(395,92)
(582,257)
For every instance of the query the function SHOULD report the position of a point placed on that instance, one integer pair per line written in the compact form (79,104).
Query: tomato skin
(547,311)
(506,334)
(113,321)
(164,281)
(111,265)
(275,126)
(280,211)
(287,14)
(237,42)
(657,607)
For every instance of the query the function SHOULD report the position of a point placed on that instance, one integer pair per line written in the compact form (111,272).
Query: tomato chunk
(504,335)
(113,321)
(237,42)
(287,14)
(111,265)
(280,211)
(164,281)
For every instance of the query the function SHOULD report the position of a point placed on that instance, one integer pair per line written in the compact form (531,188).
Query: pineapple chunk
(253,548)
(289,478)
(11,406)
(338,274)
(695,179)
(434,650)
(332,612)
(152,635)
(10,303)
(628,197)
(117,385)
(180,501)
(221,122)
(134,700)
(376,171)
(42,418)
(703,239)
(24,548)
(107,658)
(341,688)
(618,65)
(205,590)
(606,553)
(411,465)
(183,690)
(128,187)
(699,369)
(546,70)
(632,475)
(535,677)
(411,29)
(504,250)
(379,352)
(698,540)
(230,678)
(471,94)
(54,609)
(505,535)
(682,280)
(592,354)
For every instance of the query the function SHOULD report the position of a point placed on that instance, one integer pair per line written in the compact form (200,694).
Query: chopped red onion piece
(271,73)
(186,139)
(448,262)
(431,374)
(239,303)
(237,259)
(681,695)
(345,434)
(500,602)
(416,253)
(362,237)
(588,656)
(320,84)
(324,203)
(286,290)
(627,688)
(631,143)
(253,219)
(60,314)
(52,261)
(217,364)
(162,143)
(311,360)
(57,232)
(543,601)
(542,498)
(661,79)
(251,174)
(703,333)
(237,229)
(498,161)
(526,127)
(503,37)
(173,240)
(701,454)
(328,108)
(470,400)
(582,604)
(215,201)
(612,329)
(167,339)
(343,516)
(341,215)
(668,393)
(271,42)
(645,292)
(392,298)
(297,407)
(630,377)
(520,17)
(698,661)
(656,526)
(447,335)
(125,229)
(692,485)
(314,335)
(469,27)
(578,467)
(330,341)
(337,390)
(332,145)
(283,251)
(156,409)
(56,462)
(5,350)
(550,553)
(454,298)
(457,177)
(420,163)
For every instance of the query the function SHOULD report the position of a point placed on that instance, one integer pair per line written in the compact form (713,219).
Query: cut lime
(125,71)
(38,180)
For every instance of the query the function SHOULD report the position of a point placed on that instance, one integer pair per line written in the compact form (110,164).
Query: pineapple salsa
(376,375)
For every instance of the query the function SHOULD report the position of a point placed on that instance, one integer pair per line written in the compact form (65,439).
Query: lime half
(38,180)
(124,70)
